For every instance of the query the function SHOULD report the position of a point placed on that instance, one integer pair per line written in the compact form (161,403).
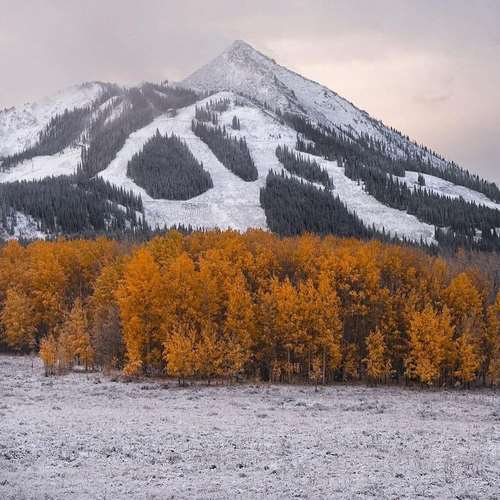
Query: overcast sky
(430,68)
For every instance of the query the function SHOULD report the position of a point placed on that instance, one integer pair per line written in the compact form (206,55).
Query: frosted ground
(85,436)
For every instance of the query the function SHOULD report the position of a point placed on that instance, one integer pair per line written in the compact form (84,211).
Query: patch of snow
(84,436)
(231,203)
(39,167)
(371,211)
(446,188)
(20,126)
(23,227)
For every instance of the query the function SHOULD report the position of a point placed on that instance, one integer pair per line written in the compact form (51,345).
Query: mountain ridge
(393,187)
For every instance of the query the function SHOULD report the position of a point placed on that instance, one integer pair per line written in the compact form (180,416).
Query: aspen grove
(225,306)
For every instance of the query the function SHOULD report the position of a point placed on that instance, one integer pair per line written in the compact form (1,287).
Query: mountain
(250,144)
(244,70)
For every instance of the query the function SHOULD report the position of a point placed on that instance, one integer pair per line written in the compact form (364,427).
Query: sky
(430,68)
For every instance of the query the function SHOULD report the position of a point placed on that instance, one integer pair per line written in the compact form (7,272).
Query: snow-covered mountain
(252,98)
(20,126)
(244,70)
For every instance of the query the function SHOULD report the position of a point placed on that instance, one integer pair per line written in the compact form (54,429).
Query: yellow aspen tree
(350,362)
(208,357)
(77,328)
(378,366)
(18,321)
(330,331)
(466,307)
(239,327)
(106,332)
(13,265)
(47,285)
(468,360)
(65,349)
(430,333)
(180,354)
(493,360)
(286,321)
(181,294)
(48,354)
(139,297)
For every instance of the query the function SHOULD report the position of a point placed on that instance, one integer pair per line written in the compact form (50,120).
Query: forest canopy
(225,305)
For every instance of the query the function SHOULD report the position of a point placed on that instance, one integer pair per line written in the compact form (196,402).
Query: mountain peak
(239,45)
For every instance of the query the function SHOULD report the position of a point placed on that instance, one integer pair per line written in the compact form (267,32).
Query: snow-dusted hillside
(233,202)
(244,70)
(450,190)
(20,126)
(247,78)
(39,167)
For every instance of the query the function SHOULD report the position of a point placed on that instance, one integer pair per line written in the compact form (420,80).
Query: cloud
(428,68)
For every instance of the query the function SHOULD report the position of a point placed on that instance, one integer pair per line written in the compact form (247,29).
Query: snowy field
(85,436)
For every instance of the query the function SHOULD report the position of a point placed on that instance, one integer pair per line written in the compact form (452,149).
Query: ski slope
(39,167)
(446,188)
(233,203)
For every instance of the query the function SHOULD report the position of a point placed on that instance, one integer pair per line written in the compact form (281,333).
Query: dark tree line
(167,169)
(460,216)
(62,131)
(204,114)
(83,203)
(236,123)
(70,205)
(303,167)
(164,98)
(232,152)
(293,207)
(106,138)
(333,144)
(141,106)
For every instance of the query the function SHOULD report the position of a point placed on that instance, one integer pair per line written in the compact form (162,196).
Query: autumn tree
(139,297)
(493,338)
(106,333)
(378,366)
(180,354)
(18,321)
(239,327)
(49,354)
(430,334)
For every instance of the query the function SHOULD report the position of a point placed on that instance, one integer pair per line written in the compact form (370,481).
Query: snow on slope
(446,188)
(263,134)
(39,167)
(243,69)
(25,227)
(233,202)
(20,126)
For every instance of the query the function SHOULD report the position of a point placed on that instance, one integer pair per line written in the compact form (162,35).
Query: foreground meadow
(86,436)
